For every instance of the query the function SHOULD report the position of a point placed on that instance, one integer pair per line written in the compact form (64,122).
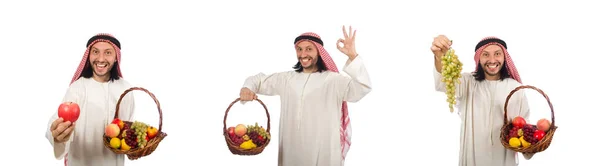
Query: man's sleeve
(358,85)
(74,94)
(269,85)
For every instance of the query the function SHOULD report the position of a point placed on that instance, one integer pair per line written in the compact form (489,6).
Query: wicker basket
(134,154)
(542,144)
(236,149)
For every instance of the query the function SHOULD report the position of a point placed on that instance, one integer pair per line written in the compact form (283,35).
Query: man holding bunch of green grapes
(480,96)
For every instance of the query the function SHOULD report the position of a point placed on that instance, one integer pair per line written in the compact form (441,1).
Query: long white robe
(97,102)
(311,103)
(481,109)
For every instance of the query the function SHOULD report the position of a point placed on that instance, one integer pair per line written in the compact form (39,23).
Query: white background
(195,57)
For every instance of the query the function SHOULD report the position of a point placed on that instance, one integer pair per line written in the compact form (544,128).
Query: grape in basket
(247,139)
(523,134)
(133,138)
(526,138)
(248,136)
(126,136)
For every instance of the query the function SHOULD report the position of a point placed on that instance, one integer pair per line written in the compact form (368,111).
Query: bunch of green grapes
(262,132)
(258,134)
(451,72)
(140,129)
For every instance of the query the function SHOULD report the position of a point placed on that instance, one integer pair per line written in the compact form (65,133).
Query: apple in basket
(543,124)
(539,135)
(518,122)
(231,131)
(119,123)
(69,111)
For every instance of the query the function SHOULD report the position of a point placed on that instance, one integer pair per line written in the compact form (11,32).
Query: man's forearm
(438,63)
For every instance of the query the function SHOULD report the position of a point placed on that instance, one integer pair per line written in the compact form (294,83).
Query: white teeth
(104,65)
(492,66)
(304,60)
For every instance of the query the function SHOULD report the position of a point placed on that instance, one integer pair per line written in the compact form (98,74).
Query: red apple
(119,123)
(69,111)
(543,124)
(539,134)
(518,122)
(231,131)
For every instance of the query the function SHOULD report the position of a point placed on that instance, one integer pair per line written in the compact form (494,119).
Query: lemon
(524,143)
(514,142)
(115,143)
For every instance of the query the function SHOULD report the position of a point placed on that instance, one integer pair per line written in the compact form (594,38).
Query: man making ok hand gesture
(314,126)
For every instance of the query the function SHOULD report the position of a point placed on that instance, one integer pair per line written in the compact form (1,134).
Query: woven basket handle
(151,95)
(527,87)
(238,99)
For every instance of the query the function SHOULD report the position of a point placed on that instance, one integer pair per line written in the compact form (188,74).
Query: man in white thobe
(95,87)
(314,125)
(481,97)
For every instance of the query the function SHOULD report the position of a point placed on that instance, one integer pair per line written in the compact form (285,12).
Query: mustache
(492,63)
(100,62)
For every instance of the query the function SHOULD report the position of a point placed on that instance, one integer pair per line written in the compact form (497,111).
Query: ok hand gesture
(348,42)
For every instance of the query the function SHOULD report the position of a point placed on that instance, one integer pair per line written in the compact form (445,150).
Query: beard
(492,68)
(101,68)
(309,67)
(308,62)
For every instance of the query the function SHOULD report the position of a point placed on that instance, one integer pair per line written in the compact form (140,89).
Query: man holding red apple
(94,90)
(481,96)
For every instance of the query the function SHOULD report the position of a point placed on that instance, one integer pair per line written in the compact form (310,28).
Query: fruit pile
(451,72)
(523,135)
(129,136)
(248,136)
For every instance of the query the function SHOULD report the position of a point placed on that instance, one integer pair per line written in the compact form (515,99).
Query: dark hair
(480,74)
(320,66)
(88,72)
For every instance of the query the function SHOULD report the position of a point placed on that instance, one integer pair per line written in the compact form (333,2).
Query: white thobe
(481,109)
(97,102)
(311,103)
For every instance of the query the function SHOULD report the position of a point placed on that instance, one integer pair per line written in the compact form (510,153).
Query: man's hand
(61,131)
(440,45)
(247,95)
(348,42)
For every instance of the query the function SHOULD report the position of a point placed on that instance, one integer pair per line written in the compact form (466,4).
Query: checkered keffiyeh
(84,61)
(101,37)
(345,128)
(510,66)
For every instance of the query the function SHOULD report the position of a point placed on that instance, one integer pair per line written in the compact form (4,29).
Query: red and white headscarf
(101,37)
(510,66)
(345,128)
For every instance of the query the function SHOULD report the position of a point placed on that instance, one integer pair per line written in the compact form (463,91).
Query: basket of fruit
(520,136)
(247,139)
(135,139)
